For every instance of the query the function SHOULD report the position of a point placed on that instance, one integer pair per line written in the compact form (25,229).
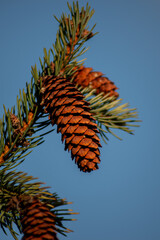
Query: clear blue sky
(121,200)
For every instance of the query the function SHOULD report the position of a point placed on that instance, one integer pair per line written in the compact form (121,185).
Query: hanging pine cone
(86,77)
(38,222)
(71,113)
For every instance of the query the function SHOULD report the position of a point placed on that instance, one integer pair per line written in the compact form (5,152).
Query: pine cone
(38,222)
(71,113)
(86,77)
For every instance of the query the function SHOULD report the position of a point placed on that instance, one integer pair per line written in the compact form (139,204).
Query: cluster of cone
(67,108)
(38,222)
(71,113)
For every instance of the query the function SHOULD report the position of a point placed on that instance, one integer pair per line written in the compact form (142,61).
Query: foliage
(20,126)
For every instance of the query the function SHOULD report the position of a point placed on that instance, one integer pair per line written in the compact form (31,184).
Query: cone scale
(71,113)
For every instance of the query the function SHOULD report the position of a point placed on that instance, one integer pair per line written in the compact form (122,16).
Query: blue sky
(120,201)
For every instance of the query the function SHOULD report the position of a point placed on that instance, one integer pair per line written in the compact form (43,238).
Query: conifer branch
(28,102)
(82,105)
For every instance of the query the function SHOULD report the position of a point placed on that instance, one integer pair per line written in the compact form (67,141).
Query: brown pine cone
(87,78)
(38,223)
(71,113)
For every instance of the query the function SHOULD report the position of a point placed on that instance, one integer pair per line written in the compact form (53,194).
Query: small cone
(87,78)
(71,113)
(15,121)
(85,34)
(18,130)
(38,222)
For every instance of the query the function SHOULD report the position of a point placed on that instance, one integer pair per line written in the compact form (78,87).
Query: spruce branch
(81,102)
(29,111)
(72,34)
